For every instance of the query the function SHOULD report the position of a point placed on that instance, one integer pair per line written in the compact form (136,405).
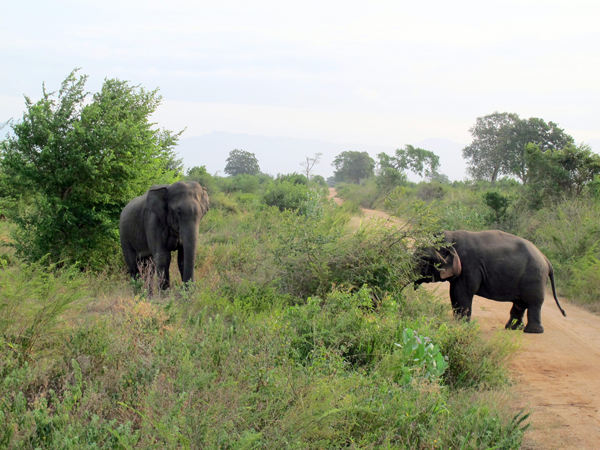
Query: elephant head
(437,264)
(178,209)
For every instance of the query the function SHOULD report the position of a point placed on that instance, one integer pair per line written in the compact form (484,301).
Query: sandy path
(556,374)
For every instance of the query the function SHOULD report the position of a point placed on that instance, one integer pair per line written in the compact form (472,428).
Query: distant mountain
(284,155)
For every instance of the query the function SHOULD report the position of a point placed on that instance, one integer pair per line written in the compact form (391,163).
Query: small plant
(417,356)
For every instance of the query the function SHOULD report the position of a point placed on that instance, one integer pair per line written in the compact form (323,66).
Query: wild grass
(242,359)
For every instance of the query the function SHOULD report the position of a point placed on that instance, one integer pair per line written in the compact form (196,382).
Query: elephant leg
(130,259)
(516,316)
(534,318)
(163,262)
(461,299)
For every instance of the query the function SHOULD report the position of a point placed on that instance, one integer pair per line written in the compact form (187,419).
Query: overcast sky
(366,72)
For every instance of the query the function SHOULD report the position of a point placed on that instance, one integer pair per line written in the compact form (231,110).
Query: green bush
(83,161)
(285,194)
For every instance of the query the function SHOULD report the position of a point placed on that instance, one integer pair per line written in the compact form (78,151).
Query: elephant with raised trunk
(164,219)
(492,264)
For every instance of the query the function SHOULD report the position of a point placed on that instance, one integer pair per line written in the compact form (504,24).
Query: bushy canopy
(83,159)
(241,162)
(351,166)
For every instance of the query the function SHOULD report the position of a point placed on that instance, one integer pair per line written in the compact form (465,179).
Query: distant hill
(283,154)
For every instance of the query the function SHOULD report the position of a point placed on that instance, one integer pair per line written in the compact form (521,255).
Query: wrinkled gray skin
(164,219)
(495,265)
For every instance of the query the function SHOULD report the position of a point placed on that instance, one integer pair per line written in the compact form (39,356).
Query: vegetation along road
(556,374)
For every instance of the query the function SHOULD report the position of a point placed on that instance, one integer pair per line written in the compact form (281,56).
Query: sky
(383,73)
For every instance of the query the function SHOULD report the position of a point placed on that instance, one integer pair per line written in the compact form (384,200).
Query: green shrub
(499,204)
(285,194)
(83,160)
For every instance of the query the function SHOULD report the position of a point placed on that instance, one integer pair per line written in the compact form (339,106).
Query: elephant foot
(514,324)
(534,328)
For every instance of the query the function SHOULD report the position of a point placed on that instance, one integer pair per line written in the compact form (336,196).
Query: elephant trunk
(189,236)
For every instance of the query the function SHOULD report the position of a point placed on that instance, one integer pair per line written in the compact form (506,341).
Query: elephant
(492,264)
(164,219)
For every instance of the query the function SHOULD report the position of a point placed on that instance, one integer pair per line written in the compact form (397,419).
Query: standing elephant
(494,265)
(164,219)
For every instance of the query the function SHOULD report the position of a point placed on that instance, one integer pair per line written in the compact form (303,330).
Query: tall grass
(242,359)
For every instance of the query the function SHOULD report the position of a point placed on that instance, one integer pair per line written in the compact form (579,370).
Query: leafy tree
(423,163)
(241,162)
(546,136)
(486,154)
(560,173)
(498,147)
(389,178)
(84,160)
(392,169)
(351,166)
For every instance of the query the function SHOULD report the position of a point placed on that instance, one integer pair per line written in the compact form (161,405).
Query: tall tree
(241,162)
(84,160)
(514,139)
(486,155)
(353,166)
(499,142)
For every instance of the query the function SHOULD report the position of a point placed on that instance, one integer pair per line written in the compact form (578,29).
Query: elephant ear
(456,268)
(204,202)
(157,202)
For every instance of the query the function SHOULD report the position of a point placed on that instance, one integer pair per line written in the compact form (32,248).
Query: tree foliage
(499,141)
(560,173)
(241,162)
(392,169)
(423,163)
(84,160)
(351,166)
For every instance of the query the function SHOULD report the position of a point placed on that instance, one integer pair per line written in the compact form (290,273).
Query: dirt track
(557,373)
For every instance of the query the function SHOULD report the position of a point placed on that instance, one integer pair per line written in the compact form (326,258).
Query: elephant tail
(551,274)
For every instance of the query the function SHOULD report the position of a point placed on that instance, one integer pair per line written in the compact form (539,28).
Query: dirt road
(556,374)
